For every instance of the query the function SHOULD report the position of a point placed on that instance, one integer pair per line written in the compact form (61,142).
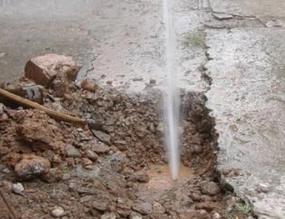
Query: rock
(102,136)
(144,208)
(108,216)
(89,85)
(100,149)
(32,166)
(57,212)
(18,188)
(91,155)
(71,151)
(210,188)
(44,69)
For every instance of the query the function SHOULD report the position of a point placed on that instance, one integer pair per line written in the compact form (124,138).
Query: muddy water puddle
(160,177)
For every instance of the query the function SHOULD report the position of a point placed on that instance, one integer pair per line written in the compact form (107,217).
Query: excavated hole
(130,177)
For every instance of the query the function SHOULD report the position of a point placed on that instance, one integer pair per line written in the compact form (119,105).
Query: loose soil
(114,168)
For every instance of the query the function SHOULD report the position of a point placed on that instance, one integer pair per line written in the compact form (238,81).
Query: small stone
(100,149)
(108,216)
(85,198)
(102,136)
(18,188)
(32,166)
(71,151)
(135,215)
(158,208)
(91,155)
(66,176)
(86,162)
(89,85)
(216,215)
(144,208)
(57,212)
(210,188)
(72,186)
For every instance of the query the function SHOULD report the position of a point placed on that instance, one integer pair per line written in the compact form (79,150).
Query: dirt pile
(102,169)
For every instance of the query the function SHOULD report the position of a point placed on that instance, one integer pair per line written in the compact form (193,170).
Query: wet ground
(231,50)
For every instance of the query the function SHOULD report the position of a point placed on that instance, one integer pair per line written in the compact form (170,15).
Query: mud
(116,167)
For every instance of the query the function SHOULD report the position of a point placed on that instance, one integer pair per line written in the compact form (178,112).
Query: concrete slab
(247,98)
(259,8)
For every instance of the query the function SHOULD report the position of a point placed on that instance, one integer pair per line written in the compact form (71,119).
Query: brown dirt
(105,170)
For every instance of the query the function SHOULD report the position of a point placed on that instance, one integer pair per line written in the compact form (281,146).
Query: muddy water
(160,177)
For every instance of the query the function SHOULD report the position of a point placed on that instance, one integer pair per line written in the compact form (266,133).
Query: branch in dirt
(56,115)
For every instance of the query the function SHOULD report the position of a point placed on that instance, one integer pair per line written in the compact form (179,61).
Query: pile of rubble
(99,167)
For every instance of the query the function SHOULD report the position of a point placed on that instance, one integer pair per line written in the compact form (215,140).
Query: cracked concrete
(232,50)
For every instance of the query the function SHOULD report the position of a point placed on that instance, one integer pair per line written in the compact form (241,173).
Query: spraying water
(172,97)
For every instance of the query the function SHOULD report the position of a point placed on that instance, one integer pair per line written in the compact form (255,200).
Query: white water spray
(172,96)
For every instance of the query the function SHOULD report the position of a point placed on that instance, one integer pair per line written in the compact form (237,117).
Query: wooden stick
(51,113)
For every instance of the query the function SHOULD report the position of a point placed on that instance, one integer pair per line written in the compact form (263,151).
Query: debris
(32,166)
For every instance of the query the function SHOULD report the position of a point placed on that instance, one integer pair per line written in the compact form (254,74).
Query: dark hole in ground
(118,168)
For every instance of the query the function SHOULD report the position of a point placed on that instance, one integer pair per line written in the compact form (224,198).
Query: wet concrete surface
(236,57)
